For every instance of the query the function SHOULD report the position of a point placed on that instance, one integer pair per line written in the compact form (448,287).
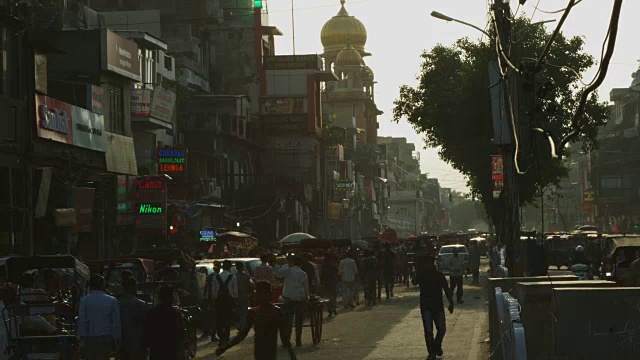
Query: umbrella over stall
(295,238)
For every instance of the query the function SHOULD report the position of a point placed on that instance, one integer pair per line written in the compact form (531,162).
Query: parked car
(446,253)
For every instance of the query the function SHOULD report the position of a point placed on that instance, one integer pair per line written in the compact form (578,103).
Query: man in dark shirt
(163,330)
(432,283)
(266,319)
(132,315)
(370,275)
(389,264)
(329,282)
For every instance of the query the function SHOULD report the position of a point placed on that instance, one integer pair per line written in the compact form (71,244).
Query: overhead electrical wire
(555,34)
(602,73)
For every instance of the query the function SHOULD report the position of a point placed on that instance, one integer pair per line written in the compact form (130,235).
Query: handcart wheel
(316,323)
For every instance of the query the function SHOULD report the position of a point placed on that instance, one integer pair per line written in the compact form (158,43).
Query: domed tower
(349,68)
(340,30)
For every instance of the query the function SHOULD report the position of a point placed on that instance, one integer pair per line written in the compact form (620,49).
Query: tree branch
(553,37)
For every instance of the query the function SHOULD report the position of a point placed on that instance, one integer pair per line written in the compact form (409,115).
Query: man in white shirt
(99,326)
(456,271)
(347,270)
(295,294)
(224,291)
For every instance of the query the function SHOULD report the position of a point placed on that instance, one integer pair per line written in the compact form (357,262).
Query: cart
(316,304)
(68,279)
(315,311)
(27,344)
(143,271)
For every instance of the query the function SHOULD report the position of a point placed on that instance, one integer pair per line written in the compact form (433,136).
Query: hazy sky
(399,30)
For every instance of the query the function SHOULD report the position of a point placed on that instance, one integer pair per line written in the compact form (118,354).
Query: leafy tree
(451,107)
(467,213)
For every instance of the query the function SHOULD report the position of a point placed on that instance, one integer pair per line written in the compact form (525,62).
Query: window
(615,182)
(116,108)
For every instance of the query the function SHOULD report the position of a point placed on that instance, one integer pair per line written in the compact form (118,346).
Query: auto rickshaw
(621,251)
(60,280)
(561,247)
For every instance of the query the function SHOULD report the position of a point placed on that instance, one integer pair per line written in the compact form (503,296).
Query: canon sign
(53,119)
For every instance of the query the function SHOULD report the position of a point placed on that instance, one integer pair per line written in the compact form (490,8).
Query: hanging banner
(497,175)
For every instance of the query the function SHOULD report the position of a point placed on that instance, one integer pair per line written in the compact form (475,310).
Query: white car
(446,253)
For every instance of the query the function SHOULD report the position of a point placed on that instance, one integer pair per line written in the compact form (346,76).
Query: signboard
(141,102)
(589,196)
(292,62)
(208,235)
(283,105)
(121,56)
(287,123)
(88,129)
(125,190)
(162,104)
(84,209)
(345,185)
(151,204)
(65,123)
(318,204)
(497,175)
(95,96)
(172,160)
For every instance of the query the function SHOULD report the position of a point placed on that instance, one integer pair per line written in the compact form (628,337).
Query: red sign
(497,175)
(151,183)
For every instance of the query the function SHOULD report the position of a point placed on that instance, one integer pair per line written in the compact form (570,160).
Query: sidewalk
(391,330)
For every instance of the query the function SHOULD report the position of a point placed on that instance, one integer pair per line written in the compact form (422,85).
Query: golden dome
(369,72)
(349,57)
(336,32)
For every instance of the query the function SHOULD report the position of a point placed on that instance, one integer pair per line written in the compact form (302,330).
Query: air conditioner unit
(218,192)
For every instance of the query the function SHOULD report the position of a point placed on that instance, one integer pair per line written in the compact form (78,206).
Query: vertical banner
(84,209)
(497,175)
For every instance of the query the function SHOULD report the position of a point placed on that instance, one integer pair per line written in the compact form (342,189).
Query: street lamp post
(446,18)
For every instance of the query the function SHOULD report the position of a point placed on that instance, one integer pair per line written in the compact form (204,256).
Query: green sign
(345,185)
(257,4)
(150,209)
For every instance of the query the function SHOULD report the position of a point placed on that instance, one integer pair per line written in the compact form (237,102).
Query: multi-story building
(350,108)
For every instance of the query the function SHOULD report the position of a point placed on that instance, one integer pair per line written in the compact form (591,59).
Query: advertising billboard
(151,204)
(121,55)
(69,124)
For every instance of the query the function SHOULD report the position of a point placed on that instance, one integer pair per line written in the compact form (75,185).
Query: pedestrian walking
(456,272)
(225,296)
(99,326)
(209,326)
(474,261)
(380,272)
(432,283)
(266,319)
(388,269)
(370,276)
(311,270)
(347,269)
(295,294)
(245,291)
(132,314)
(163,329)
(329,282)
(264,271)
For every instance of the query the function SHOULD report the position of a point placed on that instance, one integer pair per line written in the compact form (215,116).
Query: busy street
(390,330)
(327,179)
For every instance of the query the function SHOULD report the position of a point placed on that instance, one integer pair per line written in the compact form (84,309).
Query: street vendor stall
(235,244)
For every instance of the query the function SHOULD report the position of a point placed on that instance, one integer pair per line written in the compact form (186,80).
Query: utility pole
(511,223)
